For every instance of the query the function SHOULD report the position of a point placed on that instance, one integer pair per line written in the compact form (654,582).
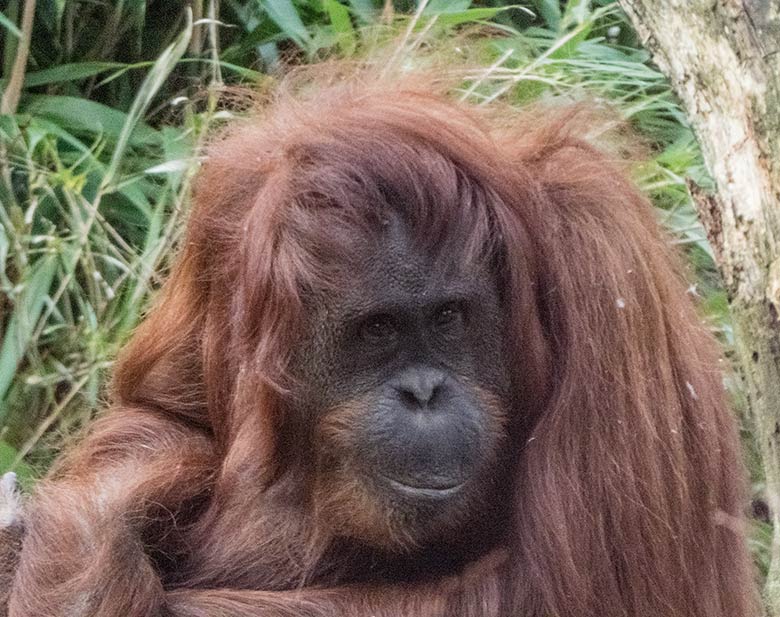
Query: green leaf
(50,13)
(10,26)
(27,309)
(169,167)
(151,84)
(11,43)
(577,11)
(8,455)
(43,128)
(69,72)
(284,15)
(550,10)
(4,244)
(440,7)
(80,116)
(243,71)
(342,25)
(364,9)
(469,15)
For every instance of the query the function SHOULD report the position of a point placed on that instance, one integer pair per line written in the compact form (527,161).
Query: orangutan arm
(84,553)
(476,592)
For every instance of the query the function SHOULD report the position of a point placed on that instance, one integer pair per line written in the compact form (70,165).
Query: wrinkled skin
(410,359)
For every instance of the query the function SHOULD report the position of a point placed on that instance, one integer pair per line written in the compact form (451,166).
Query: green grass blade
(27,309)
(10,26)
(154,80)
(550,10)
(80,116)
(69,72)
(8,457)
(439,7)
(342,25)
(364,9)
(284,14)
(469,16)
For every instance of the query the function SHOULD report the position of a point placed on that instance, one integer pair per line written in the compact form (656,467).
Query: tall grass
(115,98)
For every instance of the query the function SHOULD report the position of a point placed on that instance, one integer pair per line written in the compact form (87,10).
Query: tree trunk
(723,60)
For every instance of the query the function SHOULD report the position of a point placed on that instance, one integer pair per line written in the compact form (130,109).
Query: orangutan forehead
(395,254)
(402,244)
(373,188)
(399,263)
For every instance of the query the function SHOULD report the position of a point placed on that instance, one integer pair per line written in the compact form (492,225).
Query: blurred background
(104,117)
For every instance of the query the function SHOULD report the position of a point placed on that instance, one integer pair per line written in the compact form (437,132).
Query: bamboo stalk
(10,100)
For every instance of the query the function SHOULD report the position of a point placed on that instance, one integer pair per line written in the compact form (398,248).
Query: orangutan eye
(450,315)
(379,329)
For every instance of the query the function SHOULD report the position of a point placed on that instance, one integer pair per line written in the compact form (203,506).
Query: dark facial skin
(406,367)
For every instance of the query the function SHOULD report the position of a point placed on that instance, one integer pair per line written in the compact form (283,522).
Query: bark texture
(723,60)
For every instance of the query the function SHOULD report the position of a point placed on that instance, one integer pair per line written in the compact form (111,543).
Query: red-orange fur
(621,488)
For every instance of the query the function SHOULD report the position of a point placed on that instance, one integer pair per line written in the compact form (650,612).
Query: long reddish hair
(628,484)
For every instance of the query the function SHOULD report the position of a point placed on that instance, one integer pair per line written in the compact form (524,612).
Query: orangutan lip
(416,490)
